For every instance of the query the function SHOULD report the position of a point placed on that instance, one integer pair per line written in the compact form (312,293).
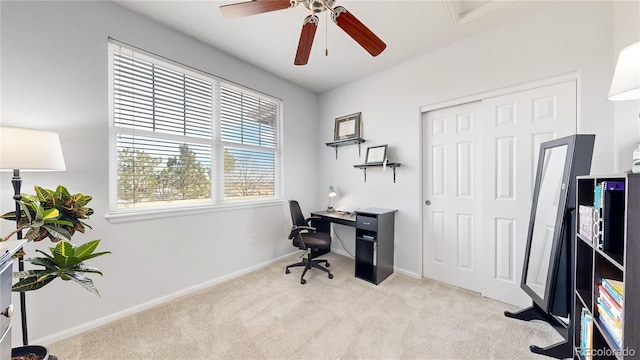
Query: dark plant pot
(31,349)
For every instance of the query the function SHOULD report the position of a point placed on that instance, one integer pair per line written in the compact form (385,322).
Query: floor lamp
(625,85)
(27,150)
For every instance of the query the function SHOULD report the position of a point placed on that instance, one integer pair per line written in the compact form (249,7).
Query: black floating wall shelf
(364,167)
(338,143)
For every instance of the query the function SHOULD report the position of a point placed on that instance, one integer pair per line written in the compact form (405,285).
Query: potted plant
(56,215)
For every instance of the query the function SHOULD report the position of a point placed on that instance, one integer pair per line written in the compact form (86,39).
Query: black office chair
(306,238)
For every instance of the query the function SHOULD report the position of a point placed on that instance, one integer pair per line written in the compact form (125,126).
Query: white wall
(561,38)
(54,77)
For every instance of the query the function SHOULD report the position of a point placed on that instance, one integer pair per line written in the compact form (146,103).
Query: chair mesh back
(296,214)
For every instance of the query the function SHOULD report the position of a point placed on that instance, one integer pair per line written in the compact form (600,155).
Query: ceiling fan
(344,19)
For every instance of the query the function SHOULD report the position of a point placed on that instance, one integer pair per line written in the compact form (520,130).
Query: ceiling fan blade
(309,27)
(358,31)
(233,11)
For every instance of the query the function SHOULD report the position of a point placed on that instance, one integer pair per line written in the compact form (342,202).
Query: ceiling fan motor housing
(318,5)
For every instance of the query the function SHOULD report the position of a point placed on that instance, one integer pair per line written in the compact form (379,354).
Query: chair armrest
(313,218)
(297,229)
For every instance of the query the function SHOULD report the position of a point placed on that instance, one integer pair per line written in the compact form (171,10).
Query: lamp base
(330,209)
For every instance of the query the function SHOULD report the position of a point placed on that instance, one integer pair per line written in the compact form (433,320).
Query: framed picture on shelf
(347,127)
(376,155)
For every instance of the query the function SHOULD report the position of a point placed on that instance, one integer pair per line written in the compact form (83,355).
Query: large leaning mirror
(547,259)
(546,214)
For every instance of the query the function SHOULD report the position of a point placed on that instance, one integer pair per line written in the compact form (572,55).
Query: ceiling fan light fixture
(318,6)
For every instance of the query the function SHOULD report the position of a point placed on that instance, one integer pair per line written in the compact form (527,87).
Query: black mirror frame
(577,162)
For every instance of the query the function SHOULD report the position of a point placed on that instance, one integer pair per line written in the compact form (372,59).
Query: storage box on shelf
(607,269)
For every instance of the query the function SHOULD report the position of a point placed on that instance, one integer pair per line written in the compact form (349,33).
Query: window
(181,138)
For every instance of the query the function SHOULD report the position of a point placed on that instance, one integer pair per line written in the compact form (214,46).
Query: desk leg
(321,226)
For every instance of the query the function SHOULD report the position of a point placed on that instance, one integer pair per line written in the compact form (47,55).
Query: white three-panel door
(478,172)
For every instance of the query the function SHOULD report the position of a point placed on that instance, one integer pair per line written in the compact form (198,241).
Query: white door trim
(572,76)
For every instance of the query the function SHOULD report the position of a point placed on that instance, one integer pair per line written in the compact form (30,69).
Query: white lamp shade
(626,78)
(30,150)
(332,192)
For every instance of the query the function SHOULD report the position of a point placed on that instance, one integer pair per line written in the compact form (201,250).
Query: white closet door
(479,164)
(452,233)
(516,125)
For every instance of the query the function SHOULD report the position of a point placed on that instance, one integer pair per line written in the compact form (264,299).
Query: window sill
(117,218)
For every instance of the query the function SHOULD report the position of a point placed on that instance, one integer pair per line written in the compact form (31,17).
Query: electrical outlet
(252,238)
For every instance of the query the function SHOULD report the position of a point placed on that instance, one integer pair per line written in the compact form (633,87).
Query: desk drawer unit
(366,222)
(374,244)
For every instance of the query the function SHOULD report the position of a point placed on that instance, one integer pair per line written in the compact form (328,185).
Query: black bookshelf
(617,259)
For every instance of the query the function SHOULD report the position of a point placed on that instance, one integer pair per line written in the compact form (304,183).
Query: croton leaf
(48,262)
(23,274)
(85,282)
(86,248)
(59,222)
(50,214)
(32,283)
(82,268)
(45,195)
(62,192)
(29,198)
(11,215)
(25,210)
(32,234)
(57,232)
(63,248)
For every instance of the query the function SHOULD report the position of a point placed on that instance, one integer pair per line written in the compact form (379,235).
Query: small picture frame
(347,127)
(376,155)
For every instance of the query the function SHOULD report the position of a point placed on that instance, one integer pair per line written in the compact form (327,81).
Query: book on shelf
(586,333)
(614,334)
(613,307)
(606,294)
(597,197)
(610,304)
(609,203)
(613,319)
(616,284)
(612,292)
(587,218)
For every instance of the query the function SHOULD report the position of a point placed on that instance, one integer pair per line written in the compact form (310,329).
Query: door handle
(428,202)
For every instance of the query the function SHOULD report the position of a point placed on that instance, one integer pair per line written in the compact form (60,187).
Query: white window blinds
(184,138)
(249,134)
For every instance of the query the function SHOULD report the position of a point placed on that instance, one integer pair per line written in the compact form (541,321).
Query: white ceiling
(269,40)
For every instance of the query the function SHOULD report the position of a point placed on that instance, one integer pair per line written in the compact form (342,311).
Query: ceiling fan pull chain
(326,34)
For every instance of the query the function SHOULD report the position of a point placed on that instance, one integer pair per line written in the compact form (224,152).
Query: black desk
(332,217)
(374,239)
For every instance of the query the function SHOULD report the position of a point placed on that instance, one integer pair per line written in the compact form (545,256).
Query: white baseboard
(149,304)
(407,273)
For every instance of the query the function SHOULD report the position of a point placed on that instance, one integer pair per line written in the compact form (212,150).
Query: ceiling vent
(464,11)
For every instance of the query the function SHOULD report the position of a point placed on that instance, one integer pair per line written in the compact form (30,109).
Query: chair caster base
(286,271)
(303,281)
(330,276)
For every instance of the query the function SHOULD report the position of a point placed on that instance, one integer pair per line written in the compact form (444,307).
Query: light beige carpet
(269,315)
